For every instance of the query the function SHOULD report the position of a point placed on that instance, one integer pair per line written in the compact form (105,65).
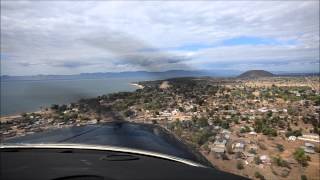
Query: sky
(71,37)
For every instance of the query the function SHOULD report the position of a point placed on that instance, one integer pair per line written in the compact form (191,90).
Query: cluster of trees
(301,157)
(291,132)
(262,127)
(201,137)
(57,107)
(280,162)
(259,176)
(245,129)
(225,124)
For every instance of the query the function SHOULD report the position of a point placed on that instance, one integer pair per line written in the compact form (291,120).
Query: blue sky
(63,37)
(237,41)
(256,41)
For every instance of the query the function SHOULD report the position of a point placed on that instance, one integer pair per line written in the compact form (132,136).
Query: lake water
(28,96)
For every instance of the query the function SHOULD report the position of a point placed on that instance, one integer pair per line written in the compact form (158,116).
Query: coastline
(139,86)
(9,117)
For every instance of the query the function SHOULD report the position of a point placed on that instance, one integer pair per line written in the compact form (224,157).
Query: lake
(28,96)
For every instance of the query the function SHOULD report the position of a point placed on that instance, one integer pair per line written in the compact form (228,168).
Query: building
(292,138)
(238,147)
(308,148)
(265,159)
(310,137)
(219,146)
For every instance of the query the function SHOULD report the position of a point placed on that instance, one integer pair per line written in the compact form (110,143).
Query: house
(220,143)
(263,110)
(93,121)
(292,138)
(252,133)
(218,150)
(265,159)
(218,146)
(225,132)
(238,147)
(309,148)
(226,136)
(252,147)
(310,137)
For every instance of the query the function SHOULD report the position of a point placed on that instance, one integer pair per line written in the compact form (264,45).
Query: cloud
(44,37)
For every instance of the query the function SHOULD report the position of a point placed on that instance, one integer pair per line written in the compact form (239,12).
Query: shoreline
(139,86)
(16,115)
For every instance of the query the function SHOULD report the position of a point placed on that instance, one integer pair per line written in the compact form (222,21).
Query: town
(261,128)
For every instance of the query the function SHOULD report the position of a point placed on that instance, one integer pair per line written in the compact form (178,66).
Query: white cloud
(64,37)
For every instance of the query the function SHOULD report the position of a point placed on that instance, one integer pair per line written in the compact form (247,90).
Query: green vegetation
(280,147)
(280,162)
(301,157)
(240,165)
(252,151)
(199,138)
(304,177)
(257,160)
(203,122)
(245,129)
(259,176)
(269,131)
(225,125)
(294,133)
(54,106)
(260,126)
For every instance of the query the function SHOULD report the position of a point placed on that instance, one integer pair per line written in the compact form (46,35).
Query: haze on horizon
(67,37)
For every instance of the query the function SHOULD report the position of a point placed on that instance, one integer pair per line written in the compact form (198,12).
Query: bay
(28,96)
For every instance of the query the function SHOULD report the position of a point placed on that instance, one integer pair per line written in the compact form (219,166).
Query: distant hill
(125,74)
(255,74)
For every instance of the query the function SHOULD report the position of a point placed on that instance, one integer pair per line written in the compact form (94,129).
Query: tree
(24,115)
(269,131)
(181,109)
(269,113)
(128,113)
(240,165)
(62,107)
(225,125)
(245,129)
(294,133)
(257,160)
(203,122)
(280,147)
(259,176)
(301,157)
(280,162)
(54,106)
(258,125)
(201,137)
(304,177)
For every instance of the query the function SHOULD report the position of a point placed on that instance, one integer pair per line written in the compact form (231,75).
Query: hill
(125,74)
(255,74)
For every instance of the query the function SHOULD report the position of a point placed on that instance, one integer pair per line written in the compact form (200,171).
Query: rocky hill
(255,74)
